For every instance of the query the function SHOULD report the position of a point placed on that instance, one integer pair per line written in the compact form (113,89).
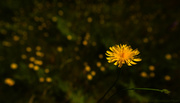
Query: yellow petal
(137,59)
(108,52)
(133,62)
(115,63)
(128,63)
(136,51)
(120,65)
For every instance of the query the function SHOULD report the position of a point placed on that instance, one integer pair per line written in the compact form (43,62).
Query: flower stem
(118,73)
(150,89)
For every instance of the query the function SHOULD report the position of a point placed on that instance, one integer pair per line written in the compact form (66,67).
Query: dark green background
(113,22)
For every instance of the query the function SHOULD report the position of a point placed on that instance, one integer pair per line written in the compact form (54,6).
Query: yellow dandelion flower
(14,66)
(38,62)
(145,40)
(98,64)
(48,79)
(100,56)
(121,54)
(151,68)
(89,77)
(31,59)
(28,49)
(152,74)
(9,81)
(59,49)
(77,57)
(15,38)
(38,48)
(23,56)
(31,65)
(102,69)
(36,68)
(168,56)
(6,43)
(87,68)
(84,42)
(60,12)
(41,79)
(93,73)
(46,70)
(89,19)
(167,77)
(143,74)
(40,54)
(54,19)
(69,37)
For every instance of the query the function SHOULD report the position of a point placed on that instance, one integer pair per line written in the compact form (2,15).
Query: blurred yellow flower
(28,49)
(36,67)
(102,69)
(69,37)
(15,38)
(151,68)
(98,64)
(60,12)
(89,19)
(167,77)
(59,49)
(9,81)
(152,74)
(54,19)
(31,59)
(40,54)
(87,68)
(93,73)
(145,40)
(143,74)
(89,77)
(38,48)
(168,56)
(46,70)
(23,56)
(38,62)
(6,43)
(77,57)
(84,42)
(41,79)
(48,79)
(31,65)
(121,54)
(14,66)
(100,56)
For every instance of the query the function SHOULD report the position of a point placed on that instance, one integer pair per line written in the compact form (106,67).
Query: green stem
(118,71)
(150,89)
(158,90)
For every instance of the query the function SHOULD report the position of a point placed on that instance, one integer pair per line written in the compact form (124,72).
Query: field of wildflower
(89,51)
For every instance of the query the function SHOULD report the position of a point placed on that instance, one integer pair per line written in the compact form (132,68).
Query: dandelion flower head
(121,54)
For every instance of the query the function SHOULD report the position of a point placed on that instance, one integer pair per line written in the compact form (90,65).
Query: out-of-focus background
(53,51)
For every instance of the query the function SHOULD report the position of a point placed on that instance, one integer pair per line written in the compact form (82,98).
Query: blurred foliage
(53,51)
